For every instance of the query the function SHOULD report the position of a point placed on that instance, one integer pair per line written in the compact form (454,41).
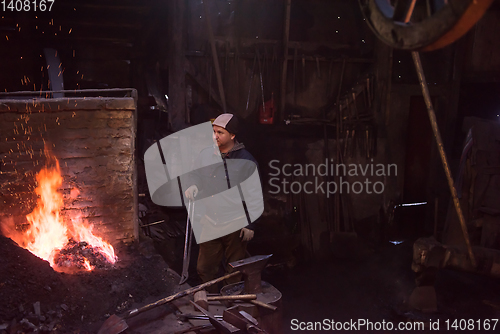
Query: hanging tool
(266,112)
(274,67)
(303,72)
(345,141)
(368,155)
(317,67)
(353,143)
(294,77)
(330,80)
(266,66)
(354,105)
(187,244)
(261,82)
(237,69)
(368,92)
(364,91)
(251,80)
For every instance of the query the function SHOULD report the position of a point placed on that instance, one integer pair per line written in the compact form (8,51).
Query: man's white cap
(228,122)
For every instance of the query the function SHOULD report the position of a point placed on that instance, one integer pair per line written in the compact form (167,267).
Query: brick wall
(94,141)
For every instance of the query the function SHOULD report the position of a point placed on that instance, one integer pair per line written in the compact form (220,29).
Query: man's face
(222,136)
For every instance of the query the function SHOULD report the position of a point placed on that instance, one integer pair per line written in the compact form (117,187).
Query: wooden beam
(286,35)
(176,73)
(214,56)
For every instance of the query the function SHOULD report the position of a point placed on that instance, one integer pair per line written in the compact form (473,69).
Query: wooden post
(176,74)
(286,36)
(442,153)
(215,56)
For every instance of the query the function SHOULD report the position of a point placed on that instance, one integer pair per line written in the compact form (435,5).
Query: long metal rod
(432,116)
(187,244)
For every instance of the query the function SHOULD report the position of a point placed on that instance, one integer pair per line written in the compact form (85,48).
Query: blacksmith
(233,246)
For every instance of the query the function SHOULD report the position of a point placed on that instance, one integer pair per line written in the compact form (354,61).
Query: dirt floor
(76,303)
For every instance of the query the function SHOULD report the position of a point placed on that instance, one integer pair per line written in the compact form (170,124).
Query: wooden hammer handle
(264,305)
(232,297)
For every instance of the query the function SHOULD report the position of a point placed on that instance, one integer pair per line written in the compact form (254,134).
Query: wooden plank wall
(94,141)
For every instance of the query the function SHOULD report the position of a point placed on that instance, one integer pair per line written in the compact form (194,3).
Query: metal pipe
(432,116)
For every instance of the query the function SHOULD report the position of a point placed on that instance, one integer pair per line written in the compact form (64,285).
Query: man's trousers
(230,248)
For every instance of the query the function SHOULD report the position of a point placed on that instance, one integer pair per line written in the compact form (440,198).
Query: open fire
(65,245)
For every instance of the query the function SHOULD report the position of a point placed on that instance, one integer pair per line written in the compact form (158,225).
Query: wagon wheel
(422,25)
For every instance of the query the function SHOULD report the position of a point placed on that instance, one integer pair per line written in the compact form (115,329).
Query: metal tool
(261,82)
(220,325)
(187,245)
(294,76)
(235,317)
(345,141)
(188,316)
(303,72)
(251,80)
(249,317)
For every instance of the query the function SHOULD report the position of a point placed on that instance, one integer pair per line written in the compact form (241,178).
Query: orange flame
(47,233)
(82,232)
(87,265)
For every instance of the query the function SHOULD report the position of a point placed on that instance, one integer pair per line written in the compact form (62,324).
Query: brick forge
(93,139)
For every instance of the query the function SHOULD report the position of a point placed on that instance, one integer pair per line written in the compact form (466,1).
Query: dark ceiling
(82,31)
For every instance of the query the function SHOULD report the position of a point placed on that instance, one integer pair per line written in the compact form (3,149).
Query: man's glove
(246,233)
(191,192)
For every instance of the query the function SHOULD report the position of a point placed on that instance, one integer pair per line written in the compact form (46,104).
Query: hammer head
(251,268)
